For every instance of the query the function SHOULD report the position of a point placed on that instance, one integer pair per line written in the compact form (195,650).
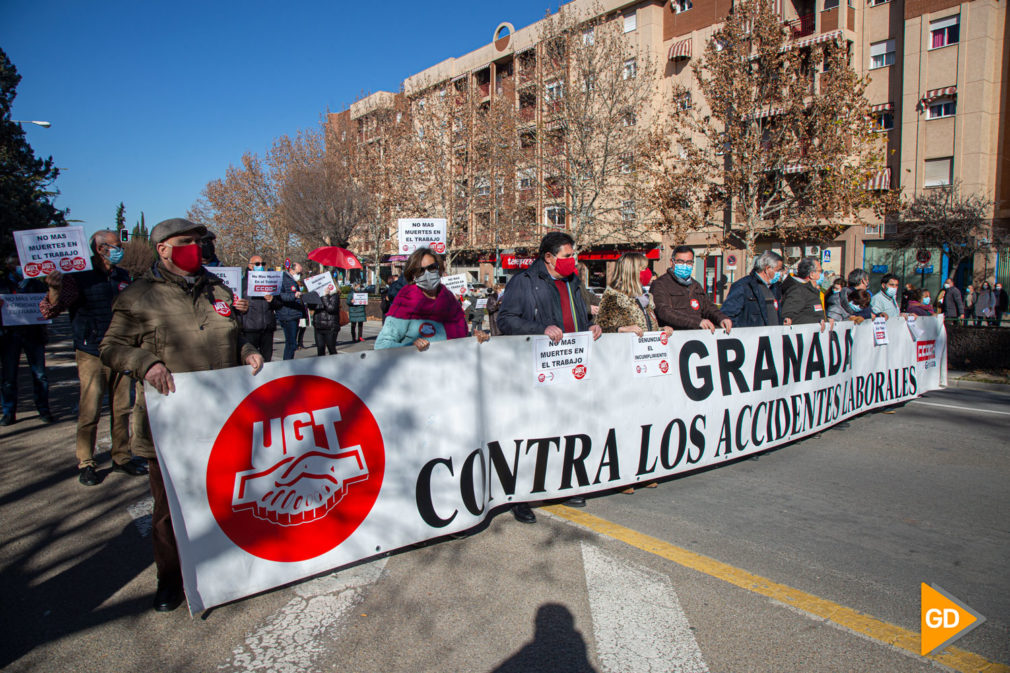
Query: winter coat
(619,310)
(326,314)
(356,313)
(161,318)
(918,308)
(493,304)
(1002,300)
(682,306)
(985,304)
(801,301)
(531,303)
(745,303)
(291,307)
(389,294)
(953,304)
(414,315)
(838,307)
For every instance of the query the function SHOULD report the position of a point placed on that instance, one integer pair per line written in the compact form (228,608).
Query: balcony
(527,114)
(485,89)
(802,26)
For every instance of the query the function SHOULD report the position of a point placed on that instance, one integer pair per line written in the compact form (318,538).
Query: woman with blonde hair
(626,307)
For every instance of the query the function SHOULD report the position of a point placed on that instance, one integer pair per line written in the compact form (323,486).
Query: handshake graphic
(294,481)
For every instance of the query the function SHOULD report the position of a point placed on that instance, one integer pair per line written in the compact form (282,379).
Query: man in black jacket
(545,299)
(801,296)
(258,322)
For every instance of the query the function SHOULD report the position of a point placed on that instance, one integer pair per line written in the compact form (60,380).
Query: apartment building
(939,88)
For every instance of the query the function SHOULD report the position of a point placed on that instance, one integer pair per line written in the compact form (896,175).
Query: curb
(978,385)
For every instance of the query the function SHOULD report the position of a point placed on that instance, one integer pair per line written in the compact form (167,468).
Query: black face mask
(207,249)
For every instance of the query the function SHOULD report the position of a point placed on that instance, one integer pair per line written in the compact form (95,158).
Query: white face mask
(296,276)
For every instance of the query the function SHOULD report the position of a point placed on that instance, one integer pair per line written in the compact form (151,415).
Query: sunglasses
(431,267)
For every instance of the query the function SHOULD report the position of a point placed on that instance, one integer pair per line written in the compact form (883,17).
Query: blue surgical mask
(853,308)
(776,278)
(683,271)
(890,292)
(824,282)
(115,255)
(925,300)
(259,267)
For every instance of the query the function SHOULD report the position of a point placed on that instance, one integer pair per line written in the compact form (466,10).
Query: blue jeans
(14,340)
(290,329)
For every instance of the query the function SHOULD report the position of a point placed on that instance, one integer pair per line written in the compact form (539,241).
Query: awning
(883,107)
(933,94)
(880,181)
(680,49)
(816,39)
(795,168)
(761,114)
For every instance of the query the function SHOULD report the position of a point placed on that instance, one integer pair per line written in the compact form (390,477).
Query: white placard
(482,303)
(43,251)
(264,282)
(456,283)
(880,331)
(417,233)
(916,331)
(650,355)
(566,361)
(22,309)
(321,284)
(359,299)
(231,275)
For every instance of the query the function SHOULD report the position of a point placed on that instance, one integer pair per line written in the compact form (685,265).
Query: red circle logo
(695,304)
(32,269)
(439,248)
(79,263)
(579,372)
(638,369)
(664,338)
(48,267)
(222,308)
(426,329)
(405,248)
(296,468)
(66,264)
(541,378)
(664,366)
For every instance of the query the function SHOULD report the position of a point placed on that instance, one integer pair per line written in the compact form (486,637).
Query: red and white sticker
(426,330)
(439,247)
(32,269)
(66,264)
(123,285)
(222,308)
(48,267)
(664,366)
(776,303)
(664,338)
(695,304)
(296,469)
(579,372)
(79,263)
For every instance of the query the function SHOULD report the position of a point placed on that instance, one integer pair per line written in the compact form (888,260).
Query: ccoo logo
(296,468)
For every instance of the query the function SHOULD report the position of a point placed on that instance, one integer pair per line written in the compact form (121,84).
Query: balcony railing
(527,114)
(485,89)
(802,26)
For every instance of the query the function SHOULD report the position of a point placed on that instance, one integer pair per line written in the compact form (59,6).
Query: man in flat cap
(192,312)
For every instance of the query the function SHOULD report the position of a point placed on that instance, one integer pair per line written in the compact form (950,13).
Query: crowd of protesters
(179,317)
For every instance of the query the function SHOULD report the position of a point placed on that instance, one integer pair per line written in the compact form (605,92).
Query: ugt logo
(295,469)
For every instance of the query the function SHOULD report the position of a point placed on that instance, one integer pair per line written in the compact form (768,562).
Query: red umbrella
(332,255)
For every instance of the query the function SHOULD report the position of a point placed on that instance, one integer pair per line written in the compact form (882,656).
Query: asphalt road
(856,517)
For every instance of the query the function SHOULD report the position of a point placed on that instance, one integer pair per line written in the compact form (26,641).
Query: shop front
(880,258)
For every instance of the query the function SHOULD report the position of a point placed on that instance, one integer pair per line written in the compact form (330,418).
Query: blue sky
(150,100)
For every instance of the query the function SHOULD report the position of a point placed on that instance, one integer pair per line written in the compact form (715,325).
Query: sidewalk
(961,379)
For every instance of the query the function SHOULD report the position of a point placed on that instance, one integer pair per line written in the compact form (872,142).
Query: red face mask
(564,265)
(645,276)
(186,257)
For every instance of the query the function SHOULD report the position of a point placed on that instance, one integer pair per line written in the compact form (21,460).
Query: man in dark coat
(1002,302)
(258,322)
(953,302)
(756,299)
(545,299)
(801,296)
(681,301)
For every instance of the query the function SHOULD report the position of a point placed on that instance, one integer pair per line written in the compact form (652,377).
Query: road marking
(954,406)
(637,619)
(296,635)
(853,620)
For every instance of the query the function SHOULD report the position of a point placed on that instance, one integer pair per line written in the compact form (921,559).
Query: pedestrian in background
(356,315)
(588,296)
(14,339)
(985,306)
(969,302)
(88,297)
(259,321)
(1002,302)
(755,300)
(952,302)
(493,304)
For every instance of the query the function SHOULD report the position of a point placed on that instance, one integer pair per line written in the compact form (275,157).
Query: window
(938,172)
(524,179)
(944,107)
(483,186)
(944,31)
(588,36)
(589,83)
(554,91)
(399,117)
(882,54)
(874,3)
(681,5)
(554,216)
(630,22)
(830,4)
(629,119)
(630,69)
(883,121)
(628,211)
(627,164)
(684,101)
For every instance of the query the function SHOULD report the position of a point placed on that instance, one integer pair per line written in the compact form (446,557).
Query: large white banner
(319,462)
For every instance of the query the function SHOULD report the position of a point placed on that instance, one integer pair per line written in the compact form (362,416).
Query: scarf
(412,304)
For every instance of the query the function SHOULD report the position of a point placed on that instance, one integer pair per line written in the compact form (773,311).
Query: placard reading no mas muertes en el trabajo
(22,309)
(230,275)
(650,355)
(562,362)
(264,282)
(321,284)
(43,251)
(417,233)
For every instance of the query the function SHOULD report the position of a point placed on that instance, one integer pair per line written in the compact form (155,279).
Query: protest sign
(880,331)
(43,251)
(359,299)
(264,282)
(566,361)
(482,303)
(456,283)
(914,329)
(22,309)
(417,233)
(321,284)
(386,450)
(231,275)
(650,354)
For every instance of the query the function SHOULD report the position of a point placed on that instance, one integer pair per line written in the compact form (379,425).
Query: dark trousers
(301,336)
(290,329)
(13,341)
(263,340)
(326,340)
(357,330)
(166,553)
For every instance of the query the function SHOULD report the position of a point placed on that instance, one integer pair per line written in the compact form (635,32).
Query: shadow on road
(556,647)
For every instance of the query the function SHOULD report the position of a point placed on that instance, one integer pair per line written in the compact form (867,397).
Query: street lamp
(44,125)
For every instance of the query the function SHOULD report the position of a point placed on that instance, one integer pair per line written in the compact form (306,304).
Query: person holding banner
(625,305)
(545,299)
(28,338)
(916,306)
(755,299)
(681,301)
(177,318)
(424,310)
(802,301)
(88,297)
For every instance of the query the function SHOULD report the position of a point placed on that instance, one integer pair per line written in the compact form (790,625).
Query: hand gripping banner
(317,463)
